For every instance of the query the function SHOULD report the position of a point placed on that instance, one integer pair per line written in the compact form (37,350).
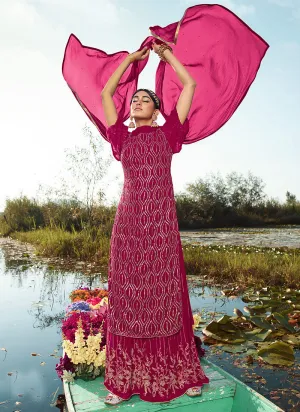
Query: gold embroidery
(145,297)
(156,373)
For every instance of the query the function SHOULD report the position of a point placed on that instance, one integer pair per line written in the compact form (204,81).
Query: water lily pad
(292,340)
(259,336)
(277,353)
(248,299)
(283,321)
(233,348)
(216,331)
(224,320)
(261,323)
(252,352)
(282,308)
(253,310)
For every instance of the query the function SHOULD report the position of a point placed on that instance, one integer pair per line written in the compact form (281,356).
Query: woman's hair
(153,96)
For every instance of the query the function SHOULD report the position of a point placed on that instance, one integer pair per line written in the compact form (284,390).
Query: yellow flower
(85,351)
(104,301)
(197,320)
(95,306)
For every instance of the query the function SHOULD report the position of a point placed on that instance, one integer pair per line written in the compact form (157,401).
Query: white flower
(68,376)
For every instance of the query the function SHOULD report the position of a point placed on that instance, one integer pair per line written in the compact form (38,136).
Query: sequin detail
(144,269)
(159,375)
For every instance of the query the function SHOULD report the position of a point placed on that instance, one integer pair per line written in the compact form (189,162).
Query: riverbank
(212,264)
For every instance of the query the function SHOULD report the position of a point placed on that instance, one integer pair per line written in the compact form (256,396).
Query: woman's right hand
(139,55)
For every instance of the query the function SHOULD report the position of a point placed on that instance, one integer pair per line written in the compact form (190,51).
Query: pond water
(264,237)
(33,300)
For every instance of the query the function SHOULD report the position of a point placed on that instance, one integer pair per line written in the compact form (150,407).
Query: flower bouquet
(84,335)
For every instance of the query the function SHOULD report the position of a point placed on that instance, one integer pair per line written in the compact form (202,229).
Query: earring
(154,124)
(131,124)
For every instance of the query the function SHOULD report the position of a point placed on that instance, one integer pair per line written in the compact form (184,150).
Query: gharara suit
(150,342)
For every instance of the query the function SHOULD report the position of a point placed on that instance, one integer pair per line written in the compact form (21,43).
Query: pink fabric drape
(221,52)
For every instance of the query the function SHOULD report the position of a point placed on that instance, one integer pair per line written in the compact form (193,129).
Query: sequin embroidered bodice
(144,283)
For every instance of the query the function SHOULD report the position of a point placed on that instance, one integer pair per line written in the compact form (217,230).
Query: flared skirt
(158,369)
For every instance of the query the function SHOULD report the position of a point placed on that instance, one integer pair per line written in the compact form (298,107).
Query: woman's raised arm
(109,89)
(189,84)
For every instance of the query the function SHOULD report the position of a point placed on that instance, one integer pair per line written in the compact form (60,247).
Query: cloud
(293,5)
(283,3)
(292,46)
(46,24)
(240,9)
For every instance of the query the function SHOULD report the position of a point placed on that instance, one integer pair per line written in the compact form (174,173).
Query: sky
(40,119)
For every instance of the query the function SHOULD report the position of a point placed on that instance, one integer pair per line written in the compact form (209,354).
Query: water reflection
(33,301)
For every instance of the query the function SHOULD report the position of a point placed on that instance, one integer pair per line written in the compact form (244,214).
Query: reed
(218,264)
(89,244)
(245,265)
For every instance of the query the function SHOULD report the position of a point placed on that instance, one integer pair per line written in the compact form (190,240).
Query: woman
(150,343)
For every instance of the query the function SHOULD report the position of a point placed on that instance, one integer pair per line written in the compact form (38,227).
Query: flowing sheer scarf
(220,51)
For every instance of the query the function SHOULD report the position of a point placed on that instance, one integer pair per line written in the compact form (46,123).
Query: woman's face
(142,106)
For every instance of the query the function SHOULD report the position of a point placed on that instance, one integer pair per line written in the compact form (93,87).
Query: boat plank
(245,399)
(224,393)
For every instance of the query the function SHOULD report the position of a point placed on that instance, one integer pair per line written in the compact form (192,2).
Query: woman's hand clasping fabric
(139,55)
(155,47)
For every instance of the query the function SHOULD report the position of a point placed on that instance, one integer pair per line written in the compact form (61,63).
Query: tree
(291,199)
(84,188)
(210,194)
(244,192)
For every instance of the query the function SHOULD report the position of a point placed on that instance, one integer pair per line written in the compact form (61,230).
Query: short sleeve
(174,131)
(116,134)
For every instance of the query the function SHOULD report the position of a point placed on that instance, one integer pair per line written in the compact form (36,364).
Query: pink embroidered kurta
(150,344)
(144,285)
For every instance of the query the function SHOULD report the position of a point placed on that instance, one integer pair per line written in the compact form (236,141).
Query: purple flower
(64,364)
(81,306)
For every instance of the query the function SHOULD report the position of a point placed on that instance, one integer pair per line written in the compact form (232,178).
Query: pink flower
(94,301)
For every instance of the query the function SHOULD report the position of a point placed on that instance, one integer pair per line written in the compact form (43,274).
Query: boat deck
(223,394)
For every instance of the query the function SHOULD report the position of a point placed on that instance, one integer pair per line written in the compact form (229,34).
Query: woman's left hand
(155,47)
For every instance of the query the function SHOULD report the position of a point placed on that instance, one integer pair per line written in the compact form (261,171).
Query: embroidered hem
(160,374)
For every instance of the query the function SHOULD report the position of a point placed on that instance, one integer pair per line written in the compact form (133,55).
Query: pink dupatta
(220,51)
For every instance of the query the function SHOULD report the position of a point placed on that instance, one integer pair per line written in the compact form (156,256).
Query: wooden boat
(224,393)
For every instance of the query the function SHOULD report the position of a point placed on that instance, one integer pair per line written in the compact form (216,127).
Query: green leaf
(292,340)
(277,353)
(258,335)
(283,321)
(214,330)
(253,310)
(224,320)
(248,299)
(261,323)
(233,348)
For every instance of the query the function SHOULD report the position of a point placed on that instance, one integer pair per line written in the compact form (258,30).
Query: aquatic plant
(268,329)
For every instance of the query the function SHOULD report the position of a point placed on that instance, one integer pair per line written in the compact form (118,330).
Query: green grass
(245,265)
(5,230)
(87,245)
